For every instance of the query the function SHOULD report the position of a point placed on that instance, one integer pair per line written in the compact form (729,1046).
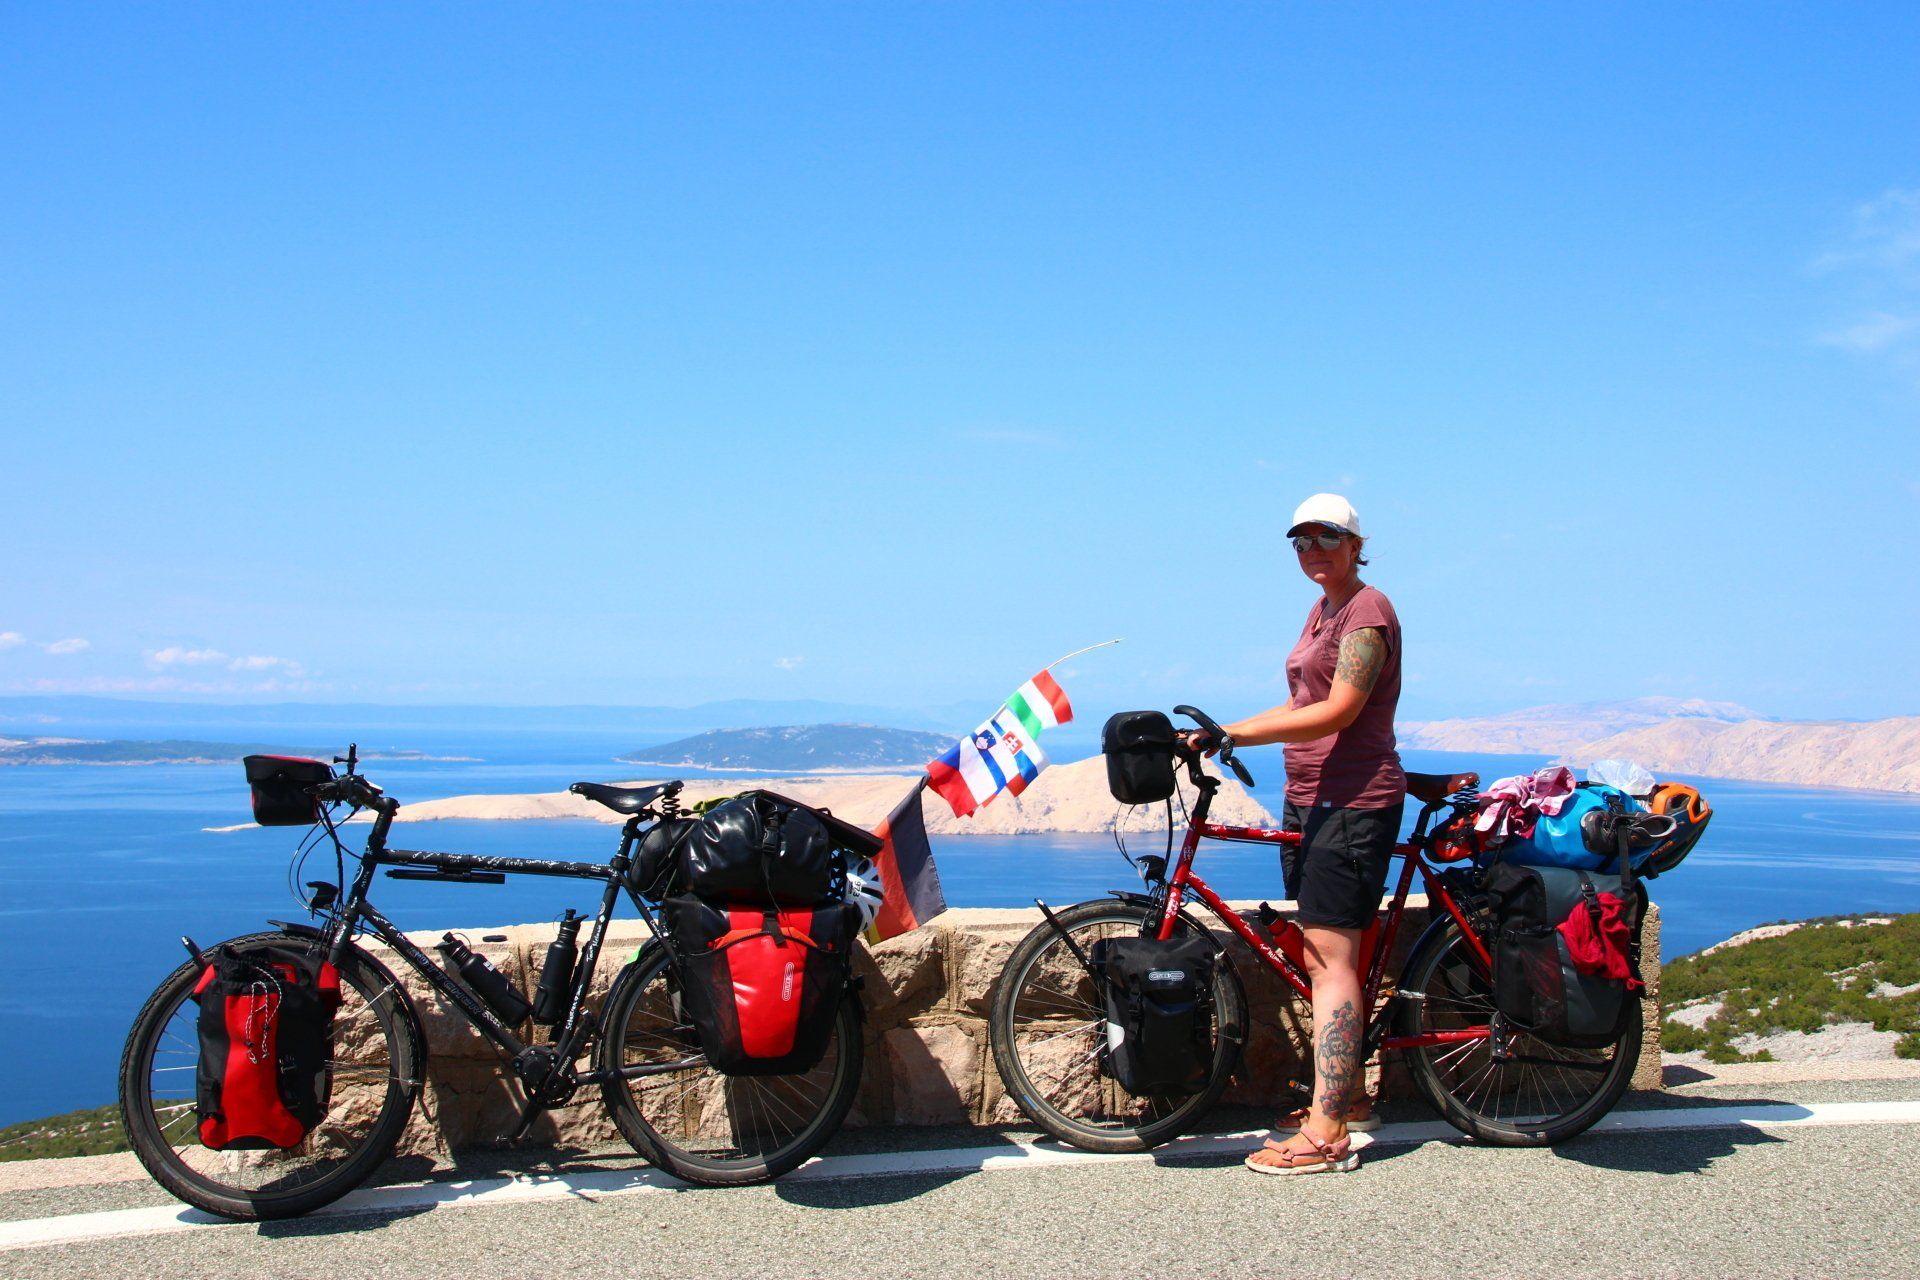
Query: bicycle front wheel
(702,1126)
(1539,1094)
(375,1074)
(1048,1025)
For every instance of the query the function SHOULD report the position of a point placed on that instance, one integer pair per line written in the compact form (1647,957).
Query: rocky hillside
(1881,755)
(1688,736)
(798,748)
(1836,989)
(1562,728)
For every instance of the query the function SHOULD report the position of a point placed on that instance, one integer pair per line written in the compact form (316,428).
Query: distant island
(118,751)
(1066,797)
(1707,739)
(798,748)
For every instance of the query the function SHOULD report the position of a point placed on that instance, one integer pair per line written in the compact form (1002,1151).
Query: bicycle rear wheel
(376,1072)
(1047,1026)
(1542,1093)
(702,1126)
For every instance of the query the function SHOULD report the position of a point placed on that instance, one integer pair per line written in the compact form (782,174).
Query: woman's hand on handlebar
(1198,741)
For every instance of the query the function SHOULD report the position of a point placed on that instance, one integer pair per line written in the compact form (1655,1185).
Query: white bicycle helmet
(865,890)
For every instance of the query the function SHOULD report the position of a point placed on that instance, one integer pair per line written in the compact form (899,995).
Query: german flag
(910,885)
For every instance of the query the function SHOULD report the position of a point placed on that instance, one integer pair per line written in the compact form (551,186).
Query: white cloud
(788,664)
(175,656)
(1883,236)
(1874,271)
(260,662)
(72,644)
(11,640)
(1874,332)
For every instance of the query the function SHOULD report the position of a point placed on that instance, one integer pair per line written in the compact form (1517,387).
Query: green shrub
(1802,981)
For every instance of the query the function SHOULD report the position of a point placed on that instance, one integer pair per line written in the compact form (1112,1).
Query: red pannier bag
(266,1048)
(761,986)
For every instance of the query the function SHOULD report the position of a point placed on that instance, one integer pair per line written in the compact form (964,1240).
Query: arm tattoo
(1362,654)
(1336,1060)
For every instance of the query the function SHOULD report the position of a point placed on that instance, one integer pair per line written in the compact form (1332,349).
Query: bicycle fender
(296,930)
(1142,900)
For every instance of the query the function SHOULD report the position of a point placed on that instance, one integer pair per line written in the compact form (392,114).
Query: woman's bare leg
(1333,962)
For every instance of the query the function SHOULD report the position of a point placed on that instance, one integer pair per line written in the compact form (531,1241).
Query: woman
(1345,792)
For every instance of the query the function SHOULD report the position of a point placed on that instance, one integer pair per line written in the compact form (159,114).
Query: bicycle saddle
(1432,788)
(624,799)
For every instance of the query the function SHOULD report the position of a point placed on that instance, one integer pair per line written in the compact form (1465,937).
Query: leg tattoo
(1336,1059)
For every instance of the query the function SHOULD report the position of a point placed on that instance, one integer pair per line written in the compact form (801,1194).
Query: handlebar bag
(1540,984)
(1159,1007)
(758,847)
(762,987)
(1139,751)
(651,873)
(280,785)
(265,1075)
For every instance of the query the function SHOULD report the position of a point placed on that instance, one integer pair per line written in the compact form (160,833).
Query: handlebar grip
(1202,719)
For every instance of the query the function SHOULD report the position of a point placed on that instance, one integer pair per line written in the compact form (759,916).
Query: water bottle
(1286,935)
(556,975)
(484,980)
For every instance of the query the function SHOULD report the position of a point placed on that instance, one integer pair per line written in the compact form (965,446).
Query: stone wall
(927,1057)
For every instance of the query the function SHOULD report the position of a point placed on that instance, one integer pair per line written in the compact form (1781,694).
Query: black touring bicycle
(272,1073)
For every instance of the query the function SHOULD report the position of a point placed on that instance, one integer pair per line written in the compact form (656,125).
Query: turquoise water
(102,870)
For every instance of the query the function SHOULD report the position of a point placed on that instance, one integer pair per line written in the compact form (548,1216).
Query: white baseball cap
(1329,509)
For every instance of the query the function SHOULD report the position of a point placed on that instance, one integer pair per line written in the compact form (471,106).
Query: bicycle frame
(1183,882)
(572,1033)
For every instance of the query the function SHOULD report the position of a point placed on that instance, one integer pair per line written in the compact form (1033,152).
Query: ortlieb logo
(1166,975)
(786,984)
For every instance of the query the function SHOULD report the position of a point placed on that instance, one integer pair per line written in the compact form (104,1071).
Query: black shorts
(1338,873)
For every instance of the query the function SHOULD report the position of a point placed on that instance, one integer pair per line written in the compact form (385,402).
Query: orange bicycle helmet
(1690,813)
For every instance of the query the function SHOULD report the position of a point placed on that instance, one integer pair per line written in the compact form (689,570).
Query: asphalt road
(1828,1200)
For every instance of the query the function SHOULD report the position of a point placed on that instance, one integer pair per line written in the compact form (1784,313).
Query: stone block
(936,1072)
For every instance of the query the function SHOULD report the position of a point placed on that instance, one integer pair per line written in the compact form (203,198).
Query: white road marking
(73,1228)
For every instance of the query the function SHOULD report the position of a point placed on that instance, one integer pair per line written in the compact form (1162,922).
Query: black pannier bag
(762,987)
(1536,984)
(1139,750)
(1159,1006)
(279,785)
(265,1074)
(652,871)
(758,846)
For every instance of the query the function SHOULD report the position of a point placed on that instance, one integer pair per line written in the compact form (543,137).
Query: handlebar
(358,792)
(1221,740)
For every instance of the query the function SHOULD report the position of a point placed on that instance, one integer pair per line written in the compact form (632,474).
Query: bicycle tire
(705,1127)
(1546,1094)
(373,1095)
(1053,1074)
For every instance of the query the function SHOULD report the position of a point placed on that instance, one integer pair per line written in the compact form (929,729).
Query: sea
(104,868)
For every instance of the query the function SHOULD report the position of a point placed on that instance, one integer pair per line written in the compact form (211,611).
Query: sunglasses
(1325,541)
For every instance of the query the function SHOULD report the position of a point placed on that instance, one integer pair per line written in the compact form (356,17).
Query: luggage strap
(771,927)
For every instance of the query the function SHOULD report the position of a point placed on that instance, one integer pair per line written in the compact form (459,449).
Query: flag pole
(1077,652)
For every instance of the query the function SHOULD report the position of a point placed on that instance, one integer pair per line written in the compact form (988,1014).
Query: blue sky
(658,354)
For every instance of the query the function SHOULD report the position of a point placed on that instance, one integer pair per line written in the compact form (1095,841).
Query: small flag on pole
(910,886)
(1004,753)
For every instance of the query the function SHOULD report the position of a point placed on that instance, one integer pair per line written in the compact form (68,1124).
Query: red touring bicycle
(1488,1078)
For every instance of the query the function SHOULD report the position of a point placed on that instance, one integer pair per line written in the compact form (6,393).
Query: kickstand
(529,1112)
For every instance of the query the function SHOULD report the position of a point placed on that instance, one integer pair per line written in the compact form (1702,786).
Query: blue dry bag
(1561,840)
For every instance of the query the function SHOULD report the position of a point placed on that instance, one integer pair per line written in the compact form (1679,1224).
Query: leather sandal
(1291,1122)
(1337,1156)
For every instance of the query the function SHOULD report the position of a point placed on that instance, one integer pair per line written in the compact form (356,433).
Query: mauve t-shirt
(1357,768)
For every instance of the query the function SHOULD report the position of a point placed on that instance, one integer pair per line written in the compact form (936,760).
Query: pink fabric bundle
(1512,805)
